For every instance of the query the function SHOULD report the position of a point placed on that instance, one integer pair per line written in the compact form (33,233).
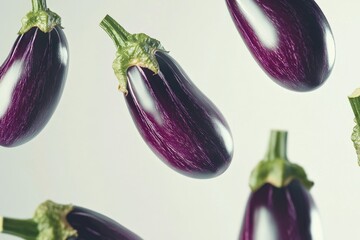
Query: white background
(90,153)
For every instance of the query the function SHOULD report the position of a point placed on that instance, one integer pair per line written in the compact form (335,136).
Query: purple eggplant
(53,221)
(280,206)
(32,77)
(179,123)
(290,39)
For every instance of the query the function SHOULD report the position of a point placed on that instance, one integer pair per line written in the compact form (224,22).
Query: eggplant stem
(116,32)
(26,229)
(354,99)
(275,168)
(132,50)
(38,5)
(277,146)
(40,17)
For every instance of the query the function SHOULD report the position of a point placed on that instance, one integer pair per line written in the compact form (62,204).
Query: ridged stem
(277,146)
(26,229)
(354,99)
(38,5)
(116,32)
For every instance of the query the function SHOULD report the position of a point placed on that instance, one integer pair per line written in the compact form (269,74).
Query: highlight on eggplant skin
(53,221)
(291,40)
(177,121)
(284,213)
(33,75)
(32,80)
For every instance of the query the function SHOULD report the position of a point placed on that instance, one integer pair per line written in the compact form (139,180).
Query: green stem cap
(354,99)
(40,17)
(49,223)
(132,50)
(275,168)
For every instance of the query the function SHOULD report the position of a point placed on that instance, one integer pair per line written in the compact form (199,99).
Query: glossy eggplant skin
(302,51)
(32,79)
(179,123)
(91,225)
(281,214)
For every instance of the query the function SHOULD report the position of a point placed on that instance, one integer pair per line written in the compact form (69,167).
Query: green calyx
(278,173)
(132,50)
(354,99)
(51,220)
(40,17)
(355,138)
(139,50)
(276,169)
(49,223)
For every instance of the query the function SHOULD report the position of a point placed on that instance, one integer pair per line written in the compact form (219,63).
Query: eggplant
(280,206)
(177,121)
(290,39)
(32,77)
(54,221)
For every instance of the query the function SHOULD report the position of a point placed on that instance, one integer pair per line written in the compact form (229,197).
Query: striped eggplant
(179,123)
(280,206)
(290,39)
(54,221)
(32,77)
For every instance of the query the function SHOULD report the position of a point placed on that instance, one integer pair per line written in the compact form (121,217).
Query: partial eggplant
(32,77)
(177,121)
(354,99)
(54,221)
(291,40)
(280,206)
